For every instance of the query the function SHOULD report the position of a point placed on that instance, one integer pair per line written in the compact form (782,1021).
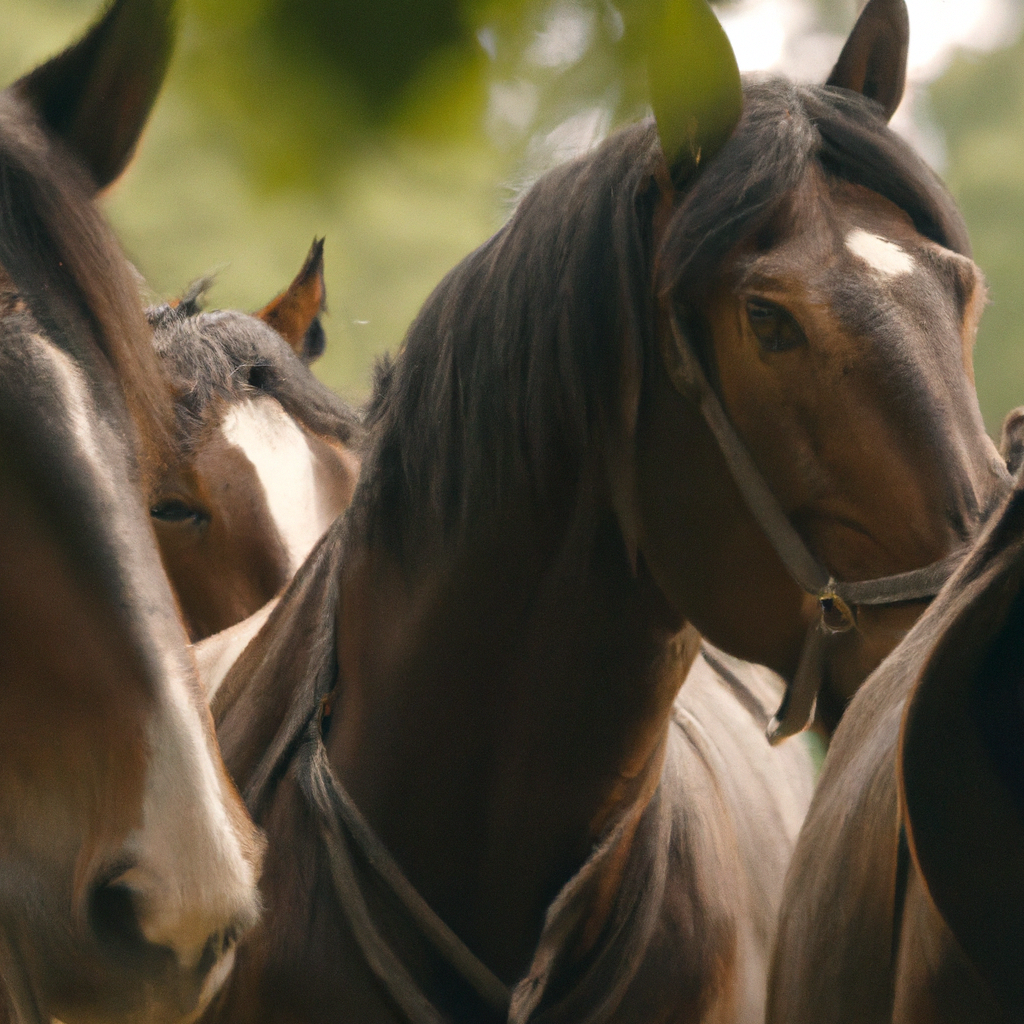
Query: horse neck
(499,705)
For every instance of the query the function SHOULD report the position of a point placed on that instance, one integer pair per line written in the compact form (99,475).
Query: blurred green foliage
(403,129)
(980,103)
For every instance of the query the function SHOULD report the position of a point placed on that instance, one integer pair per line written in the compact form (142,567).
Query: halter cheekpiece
(838,600)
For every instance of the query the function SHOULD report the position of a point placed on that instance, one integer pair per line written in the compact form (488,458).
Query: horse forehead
(286,467)
(872,236)
(881,255)
(65,401)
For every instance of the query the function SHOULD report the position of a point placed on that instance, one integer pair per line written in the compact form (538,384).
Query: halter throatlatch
(838,600)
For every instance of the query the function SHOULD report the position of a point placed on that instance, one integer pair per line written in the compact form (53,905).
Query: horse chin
(215,981)
(172,997)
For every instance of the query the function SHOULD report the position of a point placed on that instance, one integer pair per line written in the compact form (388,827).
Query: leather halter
(341,823)
(836,598)
(346,835)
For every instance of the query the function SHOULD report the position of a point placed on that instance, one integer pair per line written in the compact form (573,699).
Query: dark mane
(784,127)
(63,261)
(513,367)
(231,355)
(514,361)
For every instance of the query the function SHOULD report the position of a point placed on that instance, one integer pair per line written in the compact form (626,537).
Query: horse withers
(487,797)
(128,865)
(265,456)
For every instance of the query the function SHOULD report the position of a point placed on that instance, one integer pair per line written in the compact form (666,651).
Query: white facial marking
(191,875)
(83,418)
(276,446)
(883,256)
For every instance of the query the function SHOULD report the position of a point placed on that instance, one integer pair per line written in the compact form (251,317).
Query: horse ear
(874,59)
(97,94)
(295,313)
(961,760)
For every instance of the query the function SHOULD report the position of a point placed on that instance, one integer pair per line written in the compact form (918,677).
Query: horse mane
(231,355)
(514,361)
(65,264)
(783,128)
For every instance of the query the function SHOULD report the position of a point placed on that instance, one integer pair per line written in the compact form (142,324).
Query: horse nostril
(114,919)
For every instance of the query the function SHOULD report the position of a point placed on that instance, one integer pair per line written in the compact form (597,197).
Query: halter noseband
(836,598)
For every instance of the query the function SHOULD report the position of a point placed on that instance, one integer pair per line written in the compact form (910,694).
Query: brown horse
(460,726)
(905,899)
(265,455)
(128,865)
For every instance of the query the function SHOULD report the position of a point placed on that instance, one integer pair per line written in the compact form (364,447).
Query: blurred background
(402,130)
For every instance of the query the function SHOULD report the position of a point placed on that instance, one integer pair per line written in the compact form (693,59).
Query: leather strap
(836,598)
(592,1000)
(688,377)
(340,821)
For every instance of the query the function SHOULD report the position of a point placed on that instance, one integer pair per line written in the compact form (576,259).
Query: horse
(265,456)
(462,729)
(903,901)
(128,864)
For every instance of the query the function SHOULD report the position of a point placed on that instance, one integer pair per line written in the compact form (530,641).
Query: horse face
(842,346)
(256,491)
(129,865)
(252,487)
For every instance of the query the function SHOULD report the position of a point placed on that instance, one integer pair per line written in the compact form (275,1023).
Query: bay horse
(265,456)
(904,901)
(128,865)
(462,729)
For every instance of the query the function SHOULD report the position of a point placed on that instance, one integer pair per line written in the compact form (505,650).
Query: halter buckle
(836,615)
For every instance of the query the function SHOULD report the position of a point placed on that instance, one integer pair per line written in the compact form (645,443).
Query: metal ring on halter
(836,615)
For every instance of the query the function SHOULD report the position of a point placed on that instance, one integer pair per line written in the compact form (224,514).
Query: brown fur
(218,541)
(877,928)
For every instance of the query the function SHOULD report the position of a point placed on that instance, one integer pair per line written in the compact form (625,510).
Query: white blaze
(883,256)
(83,419)
(191,876)
(284,463)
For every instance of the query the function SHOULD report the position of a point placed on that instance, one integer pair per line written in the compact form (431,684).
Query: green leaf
(692,75)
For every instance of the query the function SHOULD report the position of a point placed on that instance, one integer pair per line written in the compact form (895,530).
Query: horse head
(128,865)
(265,455)
(818,298)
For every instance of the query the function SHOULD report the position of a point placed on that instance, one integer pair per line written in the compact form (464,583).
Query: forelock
(783,129)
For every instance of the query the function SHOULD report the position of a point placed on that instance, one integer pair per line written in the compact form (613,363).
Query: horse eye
(175,511)
(775,329)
